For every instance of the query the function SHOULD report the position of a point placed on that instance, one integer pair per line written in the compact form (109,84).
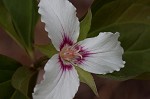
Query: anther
(69,53)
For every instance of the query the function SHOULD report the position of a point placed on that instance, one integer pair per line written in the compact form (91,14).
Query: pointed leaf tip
(87,78)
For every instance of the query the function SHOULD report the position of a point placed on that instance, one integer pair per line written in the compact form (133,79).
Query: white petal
(61,21)
(57,83)
(106,53)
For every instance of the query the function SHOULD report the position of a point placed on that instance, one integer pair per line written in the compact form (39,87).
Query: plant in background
(68,58)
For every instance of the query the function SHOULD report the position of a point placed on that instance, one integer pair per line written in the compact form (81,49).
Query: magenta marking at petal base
(66,41)
(85,53)
(64,66)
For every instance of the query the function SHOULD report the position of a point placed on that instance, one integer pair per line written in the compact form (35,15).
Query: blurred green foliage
(18,20)
(16,81)
(132,19)
(85,25)
(7,69)
(87,78)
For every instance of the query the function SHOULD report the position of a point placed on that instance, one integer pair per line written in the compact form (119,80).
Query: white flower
(99,55)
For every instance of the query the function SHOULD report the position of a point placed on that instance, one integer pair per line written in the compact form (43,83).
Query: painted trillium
(99,55)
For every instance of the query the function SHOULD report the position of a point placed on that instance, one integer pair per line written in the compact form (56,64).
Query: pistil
(70,53)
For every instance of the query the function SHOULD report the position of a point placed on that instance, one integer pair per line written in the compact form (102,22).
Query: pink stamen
(69,53)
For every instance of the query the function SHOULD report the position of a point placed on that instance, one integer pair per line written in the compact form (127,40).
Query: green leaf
(6,90)
(7,68)
(35,16)
(48,49)
(21,80)
(7,25)
(85,25)
(87,78)
(137,52)
(131,19)
(97,4)
(109,13)
(18,95)
(144,76)
(24,18)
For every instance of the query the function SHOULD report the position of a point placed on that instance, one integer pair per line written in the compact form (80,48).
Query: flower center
(69,53)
